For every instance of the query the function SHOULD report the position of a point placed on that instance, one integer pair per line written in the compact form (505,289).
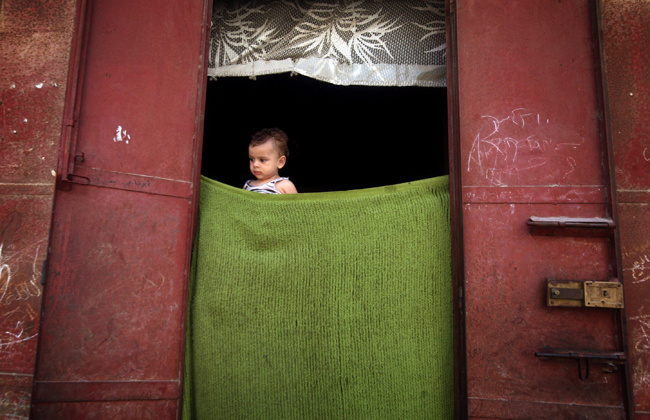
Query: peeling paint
(121,135)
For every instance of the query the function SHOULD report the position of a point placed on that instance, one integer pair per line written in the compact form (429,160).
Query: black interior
(341,137)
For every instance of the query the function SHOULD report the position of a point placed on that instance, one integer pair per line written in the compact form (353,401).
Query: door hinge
(589,294)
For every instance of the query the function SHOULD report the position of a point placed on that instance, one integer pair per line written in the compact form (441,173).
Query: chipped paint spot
(121,135)
(40,85)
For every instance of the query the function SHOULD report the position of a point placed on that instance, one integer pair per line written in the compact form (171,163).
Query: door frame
(456,213)
(456,202)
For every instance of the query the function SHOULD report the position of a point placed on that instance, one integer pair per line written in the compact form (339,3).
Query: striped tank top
(268,188)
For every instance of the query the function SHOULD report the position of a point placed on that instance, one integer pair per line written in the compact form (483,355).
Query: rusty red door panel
(530,146)
(24,229)
(34,44)
(114,302)
(626,44)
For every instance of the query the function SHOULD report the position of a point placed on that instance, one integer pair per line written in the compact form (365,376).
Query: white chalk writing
(640,269)
(506,146)
(642,340)
(16,288)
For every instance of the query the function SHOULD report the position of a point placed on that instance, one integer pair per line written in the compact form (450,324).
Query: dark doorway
(342,137)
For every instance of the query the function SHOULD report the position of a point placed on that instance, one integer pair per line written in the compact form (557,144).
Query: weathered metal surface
(508,319)
(626,42)
(113,298)
(635,231)
(123,410)
(114,302)
(530,149)
(135,52)
(34,47)
(24,227)
(626,38)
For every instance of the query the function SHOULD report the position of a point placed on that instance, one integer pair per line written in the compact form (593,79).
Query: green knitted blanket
(332,305)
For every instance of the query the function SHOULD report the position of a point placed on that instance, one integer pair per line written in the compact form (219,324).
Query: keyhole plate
(603,294)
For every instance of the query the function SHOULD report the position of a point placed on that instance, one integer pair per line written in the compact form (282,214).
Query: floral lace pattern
(369,42)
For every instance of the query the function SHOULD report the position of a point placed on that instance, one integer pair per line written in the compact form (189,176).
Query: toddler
(267,154)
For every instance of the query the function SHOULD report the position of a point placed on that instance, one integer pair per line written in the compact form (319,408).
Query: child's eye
(262,160)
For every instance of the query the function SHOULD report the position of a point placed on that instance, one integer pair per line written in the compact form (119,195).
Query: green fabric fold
(332,305)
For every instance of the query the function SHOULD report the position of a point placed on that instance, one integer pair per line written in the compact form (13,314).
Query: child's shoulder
(285,186)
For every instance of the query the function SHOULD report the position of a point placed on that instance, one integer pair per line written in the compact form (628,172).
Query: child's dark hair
(279,138)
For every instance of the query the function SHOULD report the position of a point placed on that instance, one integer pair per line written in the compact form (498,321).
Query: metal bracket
(590,294)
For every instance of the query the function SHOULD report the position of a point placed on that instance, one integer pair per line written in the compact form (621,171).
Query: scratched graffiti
(507,146)
(642,341)
(640,269)
(639,326)
(17,288)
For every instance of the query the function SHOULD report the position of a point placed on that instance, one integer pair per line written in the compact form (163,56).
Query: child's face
(265,161)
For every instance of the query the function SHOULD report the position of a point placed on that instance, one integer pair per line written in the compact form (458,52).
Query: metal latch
(585,357)
(571,226)
(591,294)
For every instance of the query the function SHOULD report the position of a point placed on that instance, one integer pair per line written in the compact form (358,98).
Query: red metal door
(34,40)
(626,42)
(112,329)
(531,151)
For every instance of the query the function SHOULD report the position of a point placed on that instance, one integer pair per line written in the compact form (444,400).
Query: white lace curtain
(345,42)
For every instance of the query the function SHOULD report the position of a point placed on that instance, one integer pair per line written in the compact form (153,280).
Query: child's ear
(282,161)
